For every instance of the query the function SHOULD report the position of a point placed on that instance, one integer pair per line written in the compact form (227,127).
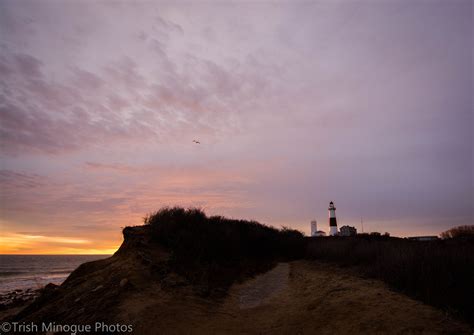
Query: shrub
(466,232)
(214,251)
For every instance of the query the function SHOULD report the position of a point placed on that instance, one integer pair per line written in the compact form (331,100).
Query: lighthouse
(332,220)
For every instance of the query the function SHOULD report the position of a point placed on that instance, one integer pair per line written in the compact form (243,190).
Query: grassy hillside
(215,251)
(440,273)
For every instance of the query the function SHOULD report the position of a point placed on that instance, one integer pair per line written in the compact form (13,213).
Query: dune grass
(439,273)
(213,252)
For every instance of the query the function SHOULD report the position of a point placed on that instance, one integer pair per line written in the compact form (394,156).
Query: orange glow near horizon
(104,243)
(22,244)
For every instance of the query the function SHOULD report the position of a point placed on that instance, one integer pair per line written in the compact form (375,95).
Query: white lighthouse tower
(314,228)
(332,220)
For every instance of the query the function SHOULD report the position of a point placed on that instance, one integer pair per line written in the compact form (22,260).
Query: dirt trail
(296,298)
(261,289)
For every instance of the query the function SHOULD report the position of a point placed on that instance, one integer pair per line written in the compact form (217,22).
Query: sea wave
(18,272)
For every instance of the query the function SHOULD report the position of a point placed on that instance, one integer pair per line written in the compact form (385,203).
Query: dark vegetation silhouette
(464,232)
(439,273)
(212,252)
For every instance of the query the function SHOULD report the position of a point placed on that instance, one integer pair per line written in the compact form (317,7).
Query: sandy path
(260,290)
(297,298)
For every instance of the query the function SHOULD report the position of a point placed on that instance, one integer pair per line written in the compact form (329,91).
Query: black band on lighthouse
(332,222)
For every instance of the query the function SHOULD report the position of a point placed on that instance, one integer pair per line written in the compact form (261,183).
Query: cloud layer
(366,104)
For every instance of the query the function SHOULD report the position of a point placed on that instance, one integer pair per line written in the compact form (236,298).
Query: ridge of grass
(213,252)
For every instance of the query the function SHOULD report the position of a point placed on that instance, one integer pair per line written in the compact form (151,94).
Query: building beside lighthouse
(348,231)
(314,228)
(332,220)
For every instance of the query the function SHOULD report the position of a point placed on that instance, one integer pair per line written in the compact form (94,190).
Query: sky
(365,103)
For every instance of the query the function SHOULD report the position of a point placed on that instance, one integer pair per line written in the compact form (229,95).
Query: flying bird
(197,142)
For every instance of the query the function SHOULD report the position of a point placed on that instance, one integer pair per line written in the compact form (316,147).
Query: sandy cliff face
(94,290)
(136,286)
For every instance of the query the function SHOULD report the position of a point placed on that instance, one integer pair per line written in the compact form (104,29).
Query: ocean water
(34,271)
